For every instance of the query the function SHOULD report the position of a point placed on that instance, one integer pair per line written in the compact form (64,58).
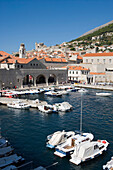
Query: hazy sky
(49,21)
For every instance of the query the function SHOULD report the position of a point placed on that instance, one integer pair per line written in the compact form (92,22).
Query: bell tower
(22,51)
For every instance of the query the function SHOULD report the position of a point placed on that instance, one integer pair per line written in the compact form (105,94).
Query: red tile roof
(95,73)
(59,60)
(77,68)
(79,57)
(4,54)
(98,54)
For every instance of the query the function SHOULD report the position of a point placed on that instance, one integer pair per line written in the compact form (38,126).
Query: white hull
(44,109)
(104,94)
(18,105)
(71,143)
(77,158)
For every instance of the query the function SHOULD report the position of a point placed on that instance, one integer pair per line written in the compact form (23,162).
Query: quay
(99,87)
(32,103)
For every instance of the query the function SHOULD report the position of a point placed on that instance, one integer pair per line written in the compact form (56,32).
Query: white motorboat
(12,159)
(18,105)
(104,94)
(68,147)
(64,92)
(53,93)
(71,143)
(46,89)
(45,108)
(87,151)
(109,165)
(58,138)
(82,90)
(63,107)
(5,151)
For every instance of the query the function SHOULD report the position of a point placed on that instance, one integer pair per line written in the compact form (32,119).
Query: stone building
(25,72)
(22,51)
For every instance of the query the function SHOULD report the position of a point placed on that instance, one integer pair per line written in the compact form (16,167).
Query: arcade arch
(28,80)
(52,78)
(40,79)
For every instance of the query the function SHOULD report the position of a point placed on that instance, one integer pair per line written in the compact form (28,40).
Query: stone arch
(28,80)
(40,79)
(52,78)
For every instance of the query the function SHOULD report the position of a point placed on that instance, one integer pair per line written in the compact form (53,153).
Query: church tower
(22,51)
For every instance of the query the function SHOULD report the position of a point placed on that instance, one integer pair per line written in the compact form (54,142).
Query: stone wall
(14,77)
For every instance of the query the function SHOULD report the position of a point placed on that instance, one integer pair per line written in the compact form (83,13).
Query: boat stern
(75,160)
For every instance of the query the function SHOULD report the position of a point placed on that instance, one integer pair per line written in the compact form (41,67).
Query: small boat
(10,167)
(12,159)
(45,108)
(58,138)
(109,165)
(64,92)
(82,90)
(18,105)
(3,142)
(6,151)
(104,94)
(53,93)
(71,143)
(63,107)
(48,89)
(87,151)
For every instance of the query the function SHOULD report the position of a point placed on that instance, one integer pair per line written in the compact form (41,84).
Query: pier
(32,103)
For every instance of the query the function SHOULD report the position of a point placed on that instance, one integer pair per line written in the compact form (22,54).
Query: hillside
(97,28)
(88,36)
(98,39)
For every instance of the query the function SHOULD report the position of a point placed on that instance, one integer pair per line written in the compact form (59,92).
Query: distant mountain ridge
(96,29)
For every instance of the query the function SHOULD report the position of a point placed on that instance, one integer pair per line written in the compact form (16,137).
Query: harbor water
(27,129)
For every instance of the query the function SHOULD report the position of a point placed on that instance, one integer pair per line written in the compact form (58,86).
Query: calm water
(27,130)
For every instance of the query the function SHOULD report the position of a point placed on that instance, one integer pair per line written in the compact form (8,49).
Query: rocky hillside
(97,28)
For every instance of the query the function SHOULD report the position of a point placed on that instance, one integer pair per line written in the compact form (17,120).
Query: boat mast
(81,116)
(0,129)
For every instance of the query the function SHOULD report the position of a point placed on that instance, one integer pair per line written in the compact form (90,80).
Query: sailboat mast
(81,115)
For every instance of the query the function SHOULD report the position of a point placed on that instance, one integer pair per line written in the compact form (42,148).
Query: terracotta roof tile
(24,60)
(79,57)
(98,54)
(77,68)
(4,54)
(55,59)
(95,73)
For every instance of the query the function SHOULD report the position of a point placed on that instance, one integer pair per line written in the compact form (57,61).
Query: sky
(49,21)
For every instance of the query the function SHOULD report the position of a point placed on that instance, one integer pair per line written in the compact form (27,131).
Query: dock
(32,103)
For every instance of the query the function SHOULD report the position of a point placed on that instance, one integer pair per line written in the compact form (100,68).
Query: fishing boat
(12,159)
(87,151)
(18,105)
(58,138)
(109,165)
(104,94)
